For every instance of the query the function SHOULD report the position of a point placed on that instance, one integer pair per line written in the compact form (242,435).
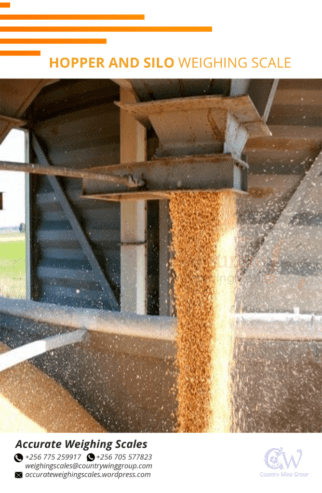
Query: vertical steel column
(133,218)
(28,219)
(165,298)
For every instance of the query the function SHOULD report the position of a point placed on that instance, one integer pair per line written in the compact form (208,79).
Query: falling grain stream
(204,234)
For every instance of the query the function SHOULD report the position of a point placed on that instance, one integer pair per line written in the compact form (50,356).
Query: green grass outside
(12,268)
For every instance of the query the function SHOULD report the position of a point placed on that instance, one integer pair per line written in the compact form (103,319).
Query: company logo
(275,458)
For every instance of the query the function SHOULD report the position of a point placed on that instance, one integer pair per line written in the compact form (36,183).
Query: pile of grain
(204,232)
(30,401)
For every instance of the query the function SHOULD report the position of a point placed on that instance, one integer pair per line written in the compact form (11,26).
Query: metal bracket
(165,176)
(200,125)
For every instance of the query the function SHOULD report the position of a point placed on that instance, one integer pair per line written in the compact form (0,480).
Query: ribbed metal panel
(77,124)
(63,271)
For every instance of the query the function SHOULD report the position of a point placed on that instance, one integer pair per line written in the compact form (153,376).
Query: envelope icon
(18,474)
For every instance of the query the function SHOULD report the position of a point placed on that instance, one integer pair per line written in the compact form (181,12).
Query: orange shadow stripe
(53,41)
(59,17)
(19,53)
(4,5)
(113,29)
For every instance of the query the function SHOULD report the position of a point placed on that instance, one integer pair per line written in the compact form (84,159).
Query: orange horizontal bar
(54,41)
(19,53)
(4,5)
(90,17)
(113,29)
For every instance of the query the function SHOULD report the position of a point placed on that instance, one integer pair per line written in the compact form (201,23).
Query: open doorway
(13,219)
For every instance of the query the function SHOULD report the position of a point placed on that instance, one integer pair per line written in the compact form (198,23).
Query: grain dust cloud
(203,240)
(32,402)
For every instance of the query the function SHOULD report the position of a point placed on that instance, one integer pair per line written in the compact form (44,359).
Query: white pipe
(279,326)
(129,324)
(270,326)
(27,351)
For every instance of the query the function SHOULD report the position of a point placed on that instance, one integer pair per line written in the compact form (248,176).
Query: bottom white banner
(153,462)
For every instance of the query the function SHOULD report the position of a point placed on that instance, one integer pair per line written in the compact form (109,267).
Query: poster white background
(181,462)
(275,29)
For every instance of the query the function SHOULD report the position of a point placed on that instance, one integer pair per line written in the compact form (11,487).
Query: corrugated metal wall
(77,124)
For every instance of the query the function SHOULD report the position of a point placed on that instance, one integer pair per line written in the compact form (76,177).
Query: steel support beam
(37,169)
(133,217)
(163,177)
(28,216)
